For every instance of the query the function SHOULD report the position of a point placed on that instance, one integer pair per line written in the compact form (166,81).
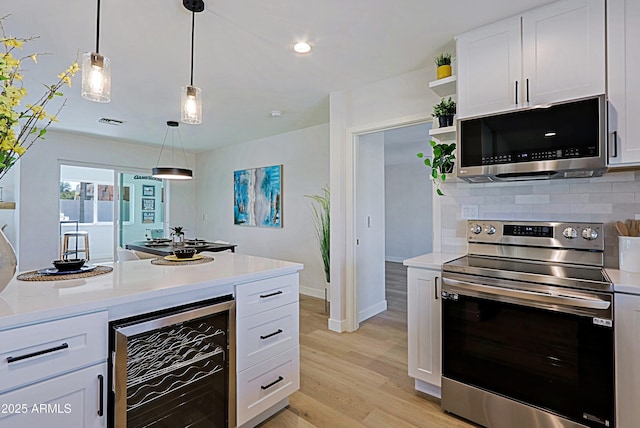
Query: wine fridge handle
(101,395)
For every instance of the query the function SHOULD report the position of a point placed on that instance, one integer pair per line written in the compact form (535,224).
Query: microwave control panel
(540,155)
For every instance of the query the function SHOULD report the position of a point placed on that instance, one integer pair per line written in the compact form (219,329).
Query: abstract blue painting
(257,196)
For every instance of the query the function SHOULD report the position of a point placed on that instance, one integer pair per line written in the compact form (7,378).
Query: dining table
(162,248)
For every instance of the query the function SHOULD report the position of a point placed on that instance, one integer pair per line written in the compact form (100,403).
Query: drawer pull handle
(264,296)
(35,354)
(280,379)
(271,335)
(101,385)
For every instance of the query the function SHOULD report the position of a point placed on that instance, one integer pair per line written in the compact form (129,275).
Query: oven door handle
(532,296)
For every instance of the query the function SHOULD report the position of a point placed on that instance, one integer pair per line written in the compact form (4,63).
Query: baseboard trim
(337,325)
(372,310)
(313,292)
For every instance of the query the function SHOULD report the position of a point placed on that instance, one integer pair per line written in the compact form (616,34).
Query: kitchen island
(44,316)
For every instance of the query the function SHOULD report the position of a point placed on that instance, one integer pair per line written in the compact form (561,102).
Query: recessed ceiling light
(550,134)
(276,113)
(302,47)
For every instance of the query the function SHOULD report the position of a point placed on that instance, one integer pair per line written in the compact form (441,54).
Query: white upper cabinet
(489,68)
(553,53)
(624,81)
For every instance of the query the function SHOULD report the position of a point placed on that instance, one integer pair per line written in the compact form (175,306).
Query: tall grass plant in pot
(320,205)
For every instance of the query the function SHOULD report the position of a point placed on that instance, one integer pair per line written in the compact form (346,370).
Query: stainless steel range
(527,327)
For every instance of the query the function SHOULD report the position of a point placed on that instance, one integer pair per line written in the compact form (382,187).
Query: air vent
(108,121)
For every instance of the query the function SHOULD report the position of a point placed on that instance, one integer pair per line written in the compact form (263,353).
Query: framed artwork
(148,204)
(148,217)
(257,196)
(148,190)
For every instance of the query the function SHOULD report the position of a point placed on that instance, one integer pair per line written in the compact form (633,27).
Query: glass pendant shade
(191,105)
(96,77)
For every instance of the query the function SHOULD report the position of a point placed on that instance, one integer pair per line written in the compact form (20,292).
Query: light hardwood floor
(359,379)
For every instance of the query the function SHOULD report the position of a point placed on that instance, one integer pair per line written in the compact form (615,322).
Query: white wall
(400,100)
(304,156)
(409,210)
(38,203)
(370,225)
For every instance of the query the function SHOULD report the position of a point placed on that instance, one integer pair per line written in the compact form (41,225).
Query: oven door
(546,350)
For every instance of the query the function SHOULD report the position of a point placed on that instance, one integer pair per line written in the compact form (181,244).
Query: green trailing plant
(441,163)
(444,108)
(321,221)
(443,59)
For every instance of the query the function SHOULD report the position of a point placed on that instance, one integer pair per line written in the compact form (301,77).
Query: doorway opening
(393,210)
(110,207)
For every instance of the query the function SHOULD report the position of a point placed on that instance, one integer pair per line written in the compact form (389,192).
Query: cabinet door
(71,400)
(627,330)
(563,51)
(423,312)
(624,81)
(489,69)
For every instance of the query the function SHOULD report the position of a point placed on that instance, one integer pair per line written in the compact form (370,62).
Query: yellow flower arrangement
(20,128)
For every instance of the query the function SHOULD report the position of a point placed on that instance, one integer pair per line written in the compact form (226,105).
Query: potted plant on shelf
(321,221)
(444,111)
(442,162)
(443,61)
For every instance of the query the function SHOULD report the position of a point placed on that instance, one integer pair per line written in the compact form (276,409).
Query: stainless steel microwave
(563,140)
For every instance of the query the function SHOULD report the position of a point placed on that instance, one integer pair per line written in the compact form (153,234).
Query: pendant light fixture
(192,95)
(96,72)
(172,172)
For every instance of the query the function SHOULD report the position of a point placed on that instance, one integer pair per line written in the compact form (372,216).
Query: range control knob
(475,229)
(570,233)
(490,229)
(589,234)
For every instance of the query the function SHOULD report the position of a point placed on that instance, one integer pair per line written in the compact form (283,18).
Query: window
(90,203)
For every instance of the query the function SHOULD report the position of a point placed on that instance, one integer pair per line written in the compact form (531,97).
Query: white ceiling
(243,58)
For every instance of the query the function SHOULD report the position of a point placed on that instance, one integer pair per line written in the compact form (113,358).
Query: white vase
(8,261)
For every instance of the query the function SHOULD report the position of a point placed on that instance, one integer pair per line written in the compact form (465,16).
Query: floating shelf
(444,87)
(444,134)
(7,205)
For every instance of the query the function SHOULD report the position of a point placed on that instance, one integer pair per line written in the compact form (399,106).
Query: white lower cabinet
(74,400)
(268,353)
(423,313)
(266,384)
(627,331)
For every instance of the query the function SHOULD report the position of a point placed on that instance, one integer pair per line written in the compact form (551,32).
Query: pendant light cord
(193,26)
(98,30)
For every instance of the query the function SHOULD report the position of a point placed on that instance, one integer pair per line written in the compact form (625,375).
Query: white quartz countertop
(24,302)
(624,282)
(431,260)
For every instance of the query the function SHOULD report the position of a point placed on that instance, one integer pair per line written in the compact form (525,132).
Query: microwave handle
(613,147)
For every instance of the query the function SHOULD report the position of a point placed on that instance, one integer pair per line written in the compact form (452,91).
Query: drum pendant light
(192,95)
(172,172)
(96,72)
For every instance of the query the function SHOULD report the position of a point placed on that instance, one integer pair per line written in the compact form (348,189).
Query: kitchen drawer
(259,296)
(264,385)
(264,335)
(43,350)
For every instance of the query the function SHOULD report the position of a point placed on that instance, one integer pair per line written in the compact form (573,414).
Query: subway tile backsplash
(615,196)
